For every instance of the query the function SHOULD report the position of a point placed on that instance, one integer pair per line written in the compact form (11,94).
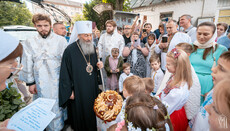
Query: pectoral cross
(88,25)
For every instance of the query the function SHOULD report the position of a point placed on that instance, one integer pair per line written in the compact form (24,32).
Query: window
(224,16)
(165,15)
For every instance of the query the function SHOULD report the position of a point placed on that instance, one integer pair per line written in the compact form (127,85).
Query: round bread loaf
(108,105)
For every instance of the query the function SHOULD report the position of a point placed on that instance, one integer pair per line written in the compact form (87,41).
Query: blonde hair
(222,93)
(186,47)
(134,84)
(183,68)
(149,84)
(154,58)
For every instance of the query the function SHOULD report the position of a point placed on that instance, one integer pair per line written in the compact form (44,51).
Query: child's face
(144,34)
(115,53)
(170,65)
(125,93)
(155,65)
(127,70)
(216,119)
(162,30)
(221,71)
(151,40)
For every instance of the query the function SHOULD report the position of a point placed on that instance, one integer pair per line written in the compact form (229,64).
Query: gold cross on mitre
(88,25)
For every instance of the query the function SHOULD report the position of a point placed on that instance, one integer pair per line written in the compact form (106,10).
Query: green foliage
(78,17)
(12,13)
(91,15)
(10,102)
(126,6)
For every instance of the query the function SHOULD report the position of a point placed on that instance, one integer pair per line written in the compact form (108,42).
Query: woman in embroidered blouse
(136,53)
(206,53)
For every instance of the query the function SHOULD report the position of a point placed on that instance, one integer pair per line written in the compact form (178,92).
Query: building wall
(69,10)
(223,12)
(192,7)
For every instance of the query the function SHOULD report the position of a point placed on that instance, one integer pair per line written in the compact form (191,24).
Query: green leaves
(12,13)
(78,17)
(90,14)
(10,102)
(100,20)
(122,5)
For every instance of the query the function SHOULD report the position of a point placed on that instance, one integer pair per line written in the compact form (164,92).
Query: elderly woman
(136,52)
(205,55)
(9,51)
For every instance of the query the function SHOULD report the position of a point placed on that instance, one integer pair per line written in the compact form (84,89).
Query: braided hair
(140,110)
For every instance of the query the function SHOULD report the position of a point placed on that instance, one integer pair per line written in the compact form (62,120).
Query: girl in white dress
(176,92)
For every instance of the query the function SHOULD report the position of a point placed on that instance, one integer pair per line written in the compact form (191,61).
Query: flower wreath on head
(131,127)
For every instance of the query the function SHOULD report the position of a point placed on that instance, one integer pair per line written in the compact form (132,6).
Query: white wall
(192,7)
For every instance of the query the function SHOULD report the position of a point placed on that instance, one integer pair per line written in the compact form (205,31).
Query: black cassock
(73,77)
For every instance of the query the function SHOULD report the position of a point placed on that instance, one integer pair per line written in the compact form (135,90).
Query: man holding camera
(170,41)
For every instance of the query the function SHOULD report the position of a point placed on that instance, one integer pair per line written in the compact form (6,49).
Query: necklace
(89,67)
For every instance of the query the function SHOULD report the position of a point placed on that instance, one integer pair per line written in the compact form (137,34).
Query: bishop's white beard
(87,47)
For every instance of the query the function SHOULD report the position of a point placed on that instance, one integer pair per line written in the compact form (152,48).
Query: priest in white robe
(110,39)
(42,60)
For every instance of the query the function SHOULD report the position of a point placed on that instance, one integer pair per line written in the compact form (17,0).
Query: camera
(164,39)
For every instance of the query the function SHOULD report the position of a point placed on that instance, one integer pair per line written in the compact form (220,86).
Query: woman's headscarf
(8,44)
(211,42)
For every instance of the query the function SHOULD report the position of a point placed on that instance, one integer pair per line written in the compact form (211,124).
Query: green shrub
(10,102)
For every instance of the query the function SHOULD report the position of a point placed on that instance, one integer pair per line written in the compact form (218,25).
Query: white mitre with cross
(80,27)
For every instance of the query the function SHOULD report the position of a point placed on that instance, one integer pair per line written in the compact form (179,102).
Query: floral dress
(137,61)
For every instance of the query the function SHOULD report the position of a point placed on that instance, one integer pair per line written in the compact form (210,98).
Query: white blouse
(122,78)
(157,79)
(176,98)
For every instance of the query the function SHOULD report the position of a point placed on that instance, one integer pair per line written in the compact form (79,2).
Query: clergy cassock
(42,60)
(74,77)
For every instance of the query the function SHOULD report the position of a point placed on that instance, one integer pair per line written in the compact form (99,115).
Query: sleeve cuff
(30,84)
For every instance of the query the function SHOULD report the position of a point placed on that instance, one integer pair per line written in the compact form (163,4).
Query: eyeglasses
(16,69)
(127,28)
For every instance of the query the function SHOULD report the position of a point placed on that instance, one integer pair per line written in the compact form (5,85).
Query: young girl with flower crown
(176,92)
(144,113)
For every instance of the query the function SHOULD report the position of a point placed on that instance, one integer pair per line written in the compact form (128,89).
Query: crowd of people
(173,78)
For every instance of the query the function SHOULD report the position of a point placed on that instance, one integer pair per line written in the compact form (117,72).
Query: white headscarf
(8,44)
(224,34)
(80,27)
(210,43)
